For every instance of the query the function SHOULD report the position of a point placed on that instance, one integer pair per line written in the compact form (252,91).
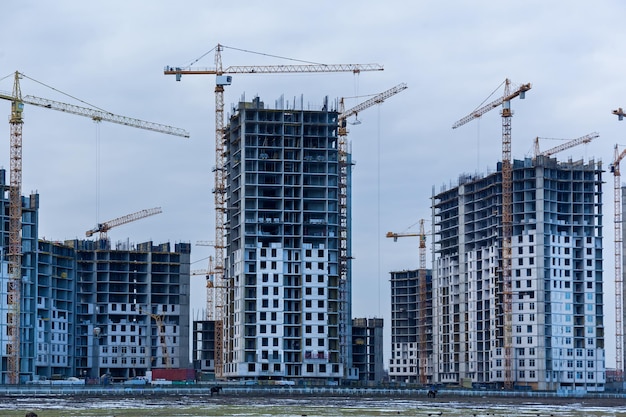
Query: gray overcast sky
(452,55)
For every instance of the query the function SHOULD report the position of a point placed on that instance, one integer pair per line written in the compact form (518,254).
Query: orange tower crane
(507,212)
(103,228)
(222,79)
(15,200)
(619,281)
(570,144)
(423,300)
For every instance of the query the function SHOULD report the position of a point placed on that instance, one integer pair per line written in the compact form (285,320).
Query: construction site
(513,298)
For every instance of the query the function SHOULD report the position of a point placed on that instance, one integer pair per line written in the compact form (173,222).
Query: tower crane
(619,282)
(423,299)
(160,327)
(507,211)
(342,134)
(103,228)
(344,164)
(222,79)
(15,201)
(570,144)
(209,274)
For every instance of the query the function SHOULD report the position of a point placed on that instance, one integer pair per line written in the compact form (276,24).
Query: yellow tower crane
(158,320)
(569,144)
(344,168)
(15,200)
(222,79)
(104,227)
(161,336)
(506,294)
(619,281)
(423,300)
(209,274)
(344,163)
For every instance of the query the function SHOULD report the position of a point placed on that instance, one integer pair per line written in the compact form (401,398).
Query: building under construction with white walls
(88,309)
(26,332)
(287,314)
(557,316)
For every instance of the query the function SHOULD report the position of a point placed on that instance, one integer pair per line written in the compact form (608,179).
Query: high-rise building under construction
(287,311)
(557,317)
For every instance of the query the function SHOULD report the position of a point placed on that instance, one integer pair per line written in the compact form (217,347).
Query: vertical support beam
(15,237)
(220,213)
(507,229)
(423,348)
(619,282)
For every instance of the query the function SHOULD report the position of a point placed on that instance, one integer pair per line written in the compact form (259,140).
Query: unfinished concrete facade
(557,311)
(288,315)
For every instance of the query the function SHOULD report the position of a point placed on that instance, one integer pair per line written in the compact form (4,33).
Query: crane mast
(14,290)
(619,282)
(224,337)
(423,300)
(15,201)
(506,295)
